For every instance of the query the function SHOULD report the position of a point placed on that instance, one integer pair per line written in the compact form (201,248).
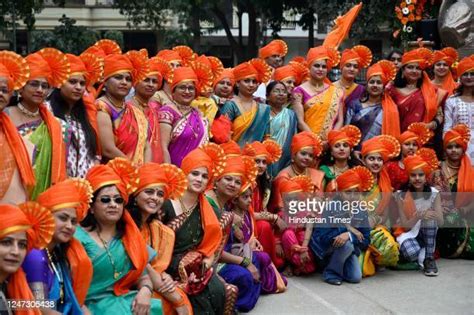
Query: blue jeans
(343,264)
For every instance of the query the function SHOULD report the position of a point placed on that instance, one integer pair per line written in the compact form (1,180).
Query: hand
(237,220)
(207,263)
(281,225)
(430,215)
(279,251)
(254,271)
(142,303)
(341,239)
(255,245)
(358,234)
(167,284)
(238,233)
(304,257)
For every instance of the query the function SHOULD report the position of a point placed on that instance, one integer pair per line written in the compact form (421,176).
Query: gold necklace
(189,210)
(25,111)
(452,167)
(117,274)
(338,171)
(121,106)
(56,272)
(298,173)
(141,104)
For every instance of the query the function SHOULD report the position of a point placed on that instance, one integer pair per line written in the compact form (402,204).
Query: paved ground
(388,292)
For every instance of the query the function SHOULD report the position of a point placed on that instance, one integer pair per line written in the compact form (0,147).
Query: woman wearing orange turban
(17,175)
(419,207)
(376,113)
(418,100)
(36,124)
(198,233)
(455,175)
(442,61)
(115,246)
(73,104)
(341,143)
(21,229)
(291,75)
(62,272)
(224,86)
(317,103)
(249,118)
(144,90)
(123,128)
(159,182)
(353,60)
(183,127)
(459,108)
(414,138)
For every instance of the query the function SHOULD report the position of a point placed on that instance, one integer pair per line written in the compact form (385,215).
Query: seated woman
(442,61)
(414,138)
(73,105)
(318,104)
(341,143)
(375,113)
(283,123)
(224,86)
(454,180)
(340,244)
(249,118)
(123,128)
(17,172)
(36,124)
(295,238)
(183,127)
(144,90)
(115,246)
(62,272)
(353,60)
(420,212)
(198,234)
(159,182)
(21,229)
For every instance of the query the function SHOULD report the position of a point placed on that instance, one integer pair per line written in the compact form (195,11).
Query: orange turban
(386,145)
(269,149)
(119,172)
(227,73)
(275,47)
(448,54)
(418,132)
(255,68)
(424,159)
(231,148)
(198,73)
(460,134)
(294,70)
(306,139)
(243,166)
(214,63)
(385,69)
(358,177)
(349,134)
(465,65)
(169,176)
(161,69)
(116,63)
(89,65)
(71,193)
(14,68)
(169,55)
(331,56)
(210,156)
(296,184)
(103,48)
(423,56)
(51,64)
(360,53)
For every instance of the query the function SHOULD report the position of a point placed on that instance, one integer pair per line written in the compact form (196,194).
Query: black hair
(401,82)
(136,213)
(78,113)
(91,222)
(271,85)
(393,52)
(407,187)
(328,160)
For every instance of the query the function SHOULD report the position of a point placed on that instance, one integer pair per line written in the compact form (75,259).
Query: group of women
(144,185)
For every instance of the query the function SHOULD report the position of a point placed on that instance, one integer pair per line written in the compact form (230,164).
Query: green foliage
(116,36)
(175,37)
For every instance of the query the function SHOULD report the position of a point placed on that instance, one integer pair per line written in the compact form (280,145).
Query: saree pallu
(352,94)
(187,132)
(249,126)
(101,298)
(38,271)
(369,119)
(411,107)
(130,130)
(321,109)
(329,179)
(282,129)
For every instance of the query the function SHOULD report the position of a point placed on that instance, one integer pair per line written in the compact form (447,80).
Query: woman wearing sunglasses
(36,124)
(115,246)
(62,272)
(159,182)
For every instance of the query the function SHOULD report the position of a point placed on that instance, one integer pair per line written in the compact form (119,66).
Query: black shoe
(334,281)
(430,268)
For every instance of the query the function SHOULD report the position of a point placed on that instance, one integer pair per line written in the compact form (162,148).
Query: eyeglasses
(278,91)
(106,200)
(190,88)
(36,84)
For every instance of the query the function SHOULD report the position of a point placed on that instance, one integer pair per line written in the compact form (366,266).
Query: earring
(332,158)
(350,157)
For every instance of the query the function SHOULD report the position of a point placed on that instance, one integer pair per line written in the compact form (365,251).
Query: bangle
(148,287)
(245,262)
(275,218)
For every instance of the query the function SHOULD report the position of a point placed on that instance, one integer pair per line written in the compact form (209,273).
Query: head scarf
(169,176)
(227,73)
(294,70)
(255,68)
(360,54)
(359,178)
(331,55)
(349,134)
(51,64)
(306,139)
(269,149)
(275,47)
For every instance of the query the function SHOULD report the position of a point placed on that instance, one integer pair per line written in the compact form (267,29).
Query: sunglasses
(107,200)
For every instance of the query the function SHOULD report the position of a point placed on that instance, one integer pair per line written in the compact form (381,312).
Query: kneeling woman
(420,212)
(115,246)
(341,244)
(62,271)
(21,229)
(197,233)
